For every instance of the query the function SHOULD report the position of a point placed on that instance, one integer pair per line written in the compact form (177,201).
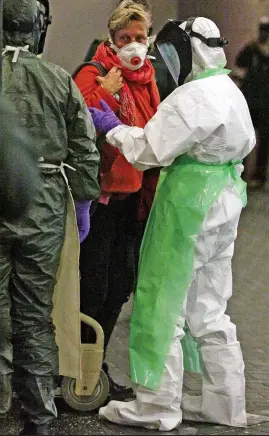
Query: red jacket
(117,174)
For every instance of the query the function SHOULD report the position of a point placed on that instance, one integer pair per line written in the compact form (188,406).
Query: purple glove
(83,218)
(104,121)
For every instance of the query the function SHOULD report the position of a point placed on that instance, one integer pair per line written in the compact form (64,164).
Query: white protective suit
(209,120)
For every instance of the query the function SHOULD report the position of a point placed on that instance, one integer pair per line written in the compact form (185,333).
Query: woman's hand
(112,82)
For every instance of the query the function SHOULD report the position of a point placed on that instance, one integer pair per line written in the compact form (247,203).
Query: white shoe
(127,414)
(194,410)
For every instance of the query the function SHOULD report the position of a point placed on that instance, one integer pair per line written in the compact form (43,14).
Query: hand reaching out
(104,120)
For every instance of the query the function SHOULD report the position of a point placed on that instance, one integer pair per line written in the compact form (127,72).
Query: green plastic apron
(186,191)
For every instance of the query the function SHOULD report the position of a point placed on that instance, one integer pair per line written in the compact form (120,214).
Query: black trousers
(261,123)
(108,263)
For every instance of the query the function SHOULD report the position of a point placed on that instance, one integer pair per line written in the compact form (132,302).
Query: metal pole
(1,41)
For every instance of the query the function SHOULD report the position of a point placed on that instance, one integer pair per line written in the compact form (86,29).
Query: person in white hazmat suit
(200,134)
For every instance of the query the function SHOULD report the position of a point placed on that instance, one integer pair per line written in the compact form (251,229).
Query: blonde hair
(144,3)
(126,12)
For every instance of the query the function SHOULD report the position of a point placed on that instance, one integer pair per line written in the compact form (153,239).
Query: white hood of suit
(205,57)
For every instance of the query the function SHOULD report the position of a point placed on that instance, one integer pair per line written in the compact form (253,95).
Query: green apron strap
(211,72)
(191,356)
(240,185)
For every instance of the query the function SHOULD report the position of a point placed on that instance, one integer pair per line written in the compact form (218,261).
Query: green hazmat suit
(50,105)
(19,176)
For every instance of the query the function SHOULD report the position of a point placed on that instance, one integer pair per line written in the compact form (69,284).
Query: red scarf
(144,75)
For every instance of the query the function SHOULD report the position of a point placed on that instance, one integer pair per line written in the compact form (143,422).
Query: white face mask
(133,55)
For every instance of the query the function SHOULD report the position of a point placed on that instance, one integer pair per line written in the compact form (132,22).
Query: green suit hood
(20,23)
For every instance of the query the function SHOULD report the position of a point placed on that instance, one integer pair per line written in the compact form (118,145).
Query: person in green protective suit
(19,175)
(199,135)
(49,105)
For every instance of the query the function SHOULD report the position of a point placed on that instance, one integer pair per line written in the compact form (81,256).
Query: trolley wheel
(85,403)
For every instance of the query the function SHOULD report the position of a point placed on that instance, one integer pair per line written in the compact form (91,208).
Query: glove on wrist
(83,218)
(104,120)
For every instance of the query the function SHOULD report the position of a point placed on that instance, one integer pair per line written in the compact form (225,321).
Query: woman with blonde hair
(109,255)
